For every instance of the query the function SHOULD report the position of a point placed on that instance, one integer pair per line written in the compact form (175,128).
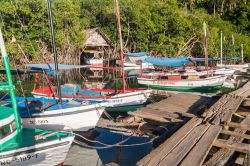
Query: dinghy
(22,146)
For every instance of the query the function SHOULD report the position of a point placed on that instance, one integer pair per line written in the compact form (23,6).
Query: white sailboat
(22,146)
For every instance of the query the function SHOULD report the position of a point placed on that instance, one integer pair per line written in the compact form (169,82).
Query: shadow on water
(122,155)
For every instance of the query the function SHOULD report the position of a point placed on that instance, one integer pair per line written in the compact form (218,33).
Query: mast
(11,87)
(242,54)
(233,48)
(221,48)
(53,43)
(121,45)
(205,45)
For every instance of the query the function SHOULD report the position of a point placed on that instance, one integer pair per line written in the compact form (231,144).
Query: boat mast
(233,48)
(221,48)
(10,87)
(53,43)
(205,45)
(121,45)
(242,54)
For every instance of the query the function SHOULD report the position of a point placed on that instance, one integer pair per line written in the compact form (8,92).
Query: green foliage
(167,27)
(26,27)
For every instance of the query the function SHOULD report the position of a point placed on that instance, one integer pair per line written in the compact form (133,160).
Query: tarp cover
(51,67)
(137,54)
(168,62)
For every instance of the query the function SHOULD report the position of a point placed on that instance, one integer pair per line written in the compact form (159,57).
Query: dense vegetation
(165,27)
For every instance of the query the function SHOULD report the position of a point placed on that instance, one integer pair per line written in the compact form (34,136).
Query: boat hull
(75,119)
(204,86)
(42,154)
(118,101)
(130,98)
(126,108)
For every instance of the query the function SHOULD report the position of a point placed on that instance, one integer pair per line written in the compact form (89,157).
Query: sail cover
(51,67)
(137,54)
(168,62)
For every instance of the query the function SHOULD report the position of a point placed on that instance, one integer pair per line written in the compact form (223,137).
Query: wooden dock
(170,113)
(215,136)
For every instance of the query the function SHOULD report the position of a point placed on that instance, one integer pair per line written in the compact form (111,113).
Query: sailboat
(119,100)
(204,83)
(58,114)
(237,67)
(23,146)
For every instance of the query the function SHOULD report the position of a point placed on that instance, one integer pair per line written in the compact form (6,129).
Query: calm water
(124,156)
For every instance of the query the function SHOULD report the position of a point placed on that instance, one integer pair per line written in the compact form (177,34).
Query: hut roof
(97,38)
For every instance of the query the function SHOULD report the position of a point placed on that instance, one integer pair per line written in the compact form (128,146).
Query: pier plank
(235,134)
(240,147)
(159,153)
(212,112)
(243,91)
(223,155)
(201,149)
(242,126)
(154,117)
(225,113)
(176,155)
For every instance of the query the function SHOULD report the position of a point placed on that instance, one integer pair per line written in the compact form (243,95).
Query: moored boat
(115,100)
(22,146)
(187,83)
(71,115)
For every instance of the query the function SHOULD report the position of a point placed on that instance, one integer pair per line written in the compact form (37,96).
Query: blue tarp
(51,67)
(137,54)
(168,62)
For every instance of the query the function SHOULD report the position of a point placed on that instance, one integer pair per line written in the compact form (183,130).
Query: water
(124,156)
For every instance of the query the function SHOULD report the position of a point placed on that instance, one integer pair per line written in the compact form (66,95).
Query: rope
(119,144)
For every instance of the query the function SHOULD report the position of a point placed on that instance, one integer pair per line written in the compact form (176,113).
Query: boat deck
(20,140)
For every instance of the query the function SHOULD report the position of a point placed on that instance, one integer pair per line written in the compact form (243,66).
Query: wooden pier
(215,136)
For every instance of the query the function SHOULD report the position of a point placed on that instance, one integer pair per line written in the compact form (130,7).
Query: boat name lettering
(18,159)
(117,100)
(38,121)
